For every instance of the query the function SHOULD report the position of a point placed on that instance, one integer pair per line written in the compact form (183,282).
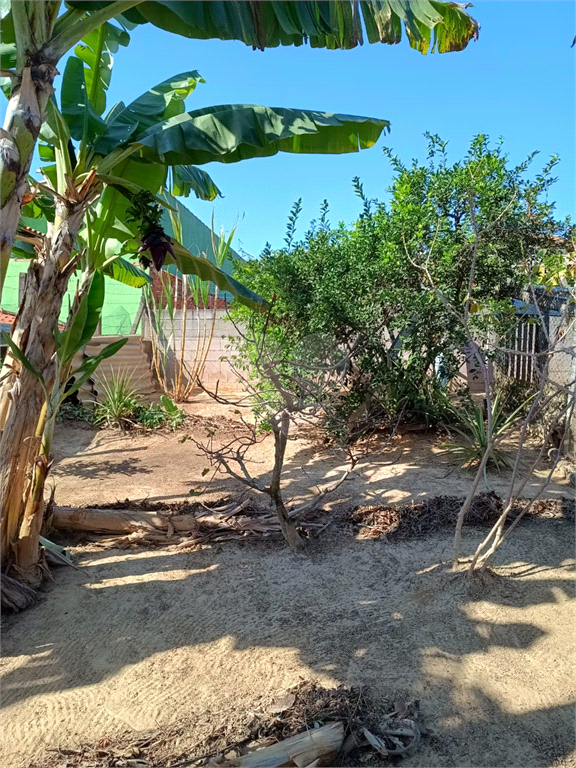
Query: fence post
(139,314)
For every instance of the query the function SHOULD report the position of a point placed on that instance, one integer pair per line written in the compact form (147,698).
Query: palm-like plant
(35,36)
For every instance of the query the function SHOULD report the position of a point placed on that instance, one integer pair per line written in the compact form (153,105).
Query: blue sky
(517,81)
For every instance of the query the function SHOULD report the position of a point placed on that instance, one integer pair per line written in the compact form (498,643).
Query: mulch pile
(406,521)
(231,734)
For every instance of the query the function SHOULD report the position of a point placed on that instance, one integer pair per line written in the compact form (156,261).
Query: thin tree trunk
(468,503)
(286,524)
(280,427)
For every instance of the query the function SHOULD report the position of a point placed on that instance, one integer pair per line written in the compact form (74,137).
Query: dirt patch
(93,468)
(179,645)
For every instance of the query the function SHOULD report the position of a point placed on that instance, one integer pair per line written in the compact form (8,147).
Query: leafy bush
(122,407)
(167,414)
(74,412)
(368,287)
(514,393)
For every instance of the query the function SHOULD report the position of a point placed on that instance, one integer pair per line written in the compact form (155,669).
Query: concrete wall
(198,323)
(562,366)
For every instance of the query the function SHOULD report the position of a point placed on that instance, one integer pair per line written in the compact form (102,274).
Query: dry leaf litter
(375,733)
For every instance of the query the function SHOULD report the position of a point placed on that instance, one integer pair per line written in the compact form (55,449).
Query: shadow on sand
(360,612)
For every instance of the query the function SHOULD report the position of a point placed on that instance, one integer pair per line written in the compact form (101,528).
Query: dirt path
(141,640)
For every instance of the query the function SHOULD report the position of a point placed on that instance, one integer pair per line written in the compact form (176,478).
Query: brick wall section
(176,285)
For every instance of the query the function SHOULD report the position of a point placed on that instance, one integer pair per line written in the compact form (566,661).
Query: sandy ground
(99,467)
(142,639)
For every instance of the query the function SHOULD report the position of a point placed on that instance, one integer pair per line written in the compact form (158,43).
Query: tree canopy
(384,288)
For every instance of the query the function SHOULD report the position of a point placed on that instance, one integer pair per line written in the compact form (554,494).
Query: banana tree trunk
(23,459)
(24,118)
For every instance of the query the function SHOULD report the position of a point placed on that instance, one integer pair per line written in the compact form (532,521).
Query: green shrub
(121,400)
(72,412)
(514,393)
(471,430)
(368,287)
(167,414)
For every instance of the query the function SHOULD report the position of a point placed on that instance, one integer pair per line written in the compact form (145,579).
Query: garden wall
(131,361)
(198,323)
(563,364)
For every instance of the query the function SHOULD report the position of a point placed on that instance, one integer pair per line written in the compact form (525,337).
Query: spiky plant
(121,400)
(471,430)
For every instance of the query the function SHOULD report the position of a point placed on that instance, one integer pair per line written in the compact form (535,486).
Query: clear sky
(517,81)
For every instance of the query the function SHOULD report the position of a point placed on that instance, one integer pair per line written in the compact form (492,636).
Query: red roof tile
(7,317)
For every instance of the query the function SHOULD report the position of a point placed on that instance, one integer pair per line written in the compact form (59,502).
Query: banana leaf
(158,104)
(205,270)
(428,24)
(126,272)
(234,132)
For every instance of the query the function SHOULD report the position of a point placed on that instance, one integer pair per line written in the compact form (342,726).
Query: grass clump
(123,407)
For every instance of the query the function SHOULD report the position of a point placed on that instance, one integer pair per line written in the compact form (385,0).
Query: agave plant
(472,434)
(120,401)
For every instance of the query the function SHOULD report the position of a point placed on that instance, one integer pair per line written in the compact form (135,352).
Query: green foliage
(427,25)
(123,407)
(165,415)
(73,412)
(119,404)
(471,429)
(83,323)
(515,394)
(367,287)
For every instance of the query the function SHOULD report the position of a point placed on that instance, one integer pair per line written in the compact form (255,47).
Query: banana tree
(35,34)
(68,343)
(95,168)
